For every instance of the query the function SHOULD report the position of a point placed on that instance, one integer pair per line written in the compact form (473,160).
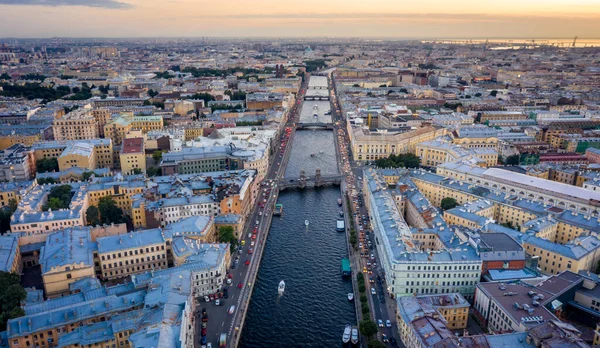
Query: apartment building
(370,145)
(80,155)
(103,150)
(10,254)
(76,125)
(436,152)
(408,269)
(16,163)
(66,257)
(135,252)
(133,156)
(476,136)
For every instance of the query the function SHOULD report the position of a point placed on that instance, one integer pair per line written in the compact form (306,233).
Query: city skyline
(381,18)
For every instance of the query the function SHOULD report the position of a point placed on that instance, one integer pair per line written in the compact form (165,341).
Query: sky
(307,18)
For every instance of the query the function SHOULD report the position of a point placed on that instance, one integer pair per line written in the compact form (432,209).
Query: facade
(133,156)
(80,154)
(103,150)
(10,254)
(135,252)
(66,257)
(476,136)
(16,163)
(76,125)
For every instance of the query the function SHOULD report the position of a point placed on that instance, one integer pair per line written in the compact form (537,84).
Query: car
(260,213)
(388,323)
(250,234)
(240,285)
(364,269)
(372,257)
(231,309)
(203,332)
(206,299)
(203,339)
(371,280)
(205,319)
(250,251)
(253,231)
(379,323)
(384,338)
(252,243)
(373,292)
(247,262)
(254,236)
(204,324)
(243,243)
(217,302)
(209,345)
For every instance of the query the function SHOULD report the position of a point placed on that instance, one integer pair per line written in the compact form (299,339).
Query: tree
(92,215)
(104,89)
(448,203)
(59,198)
(6,214)
(11,295)
(152,93)
(512,160)
(46,165)
(494,93)
(5,76)
(86,175)
(226,235)
(478,95)
(356,85)
(153,171)
(157,156)
(404,160)
(376,344)
(109,211)
(368,328)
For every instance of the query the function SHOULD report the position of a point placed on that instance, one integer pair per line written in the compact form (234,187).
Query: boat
(340,226)
(306,222)
(347,333)
(278,209)
(341,213)
(321,152)
(350,296)
(312,155)
(281,287)
(339,201)
(354,335)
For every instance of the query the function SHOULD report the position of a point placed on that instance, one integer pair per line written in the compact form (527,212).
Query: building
(10,254)
(133,156)
(16,163)
(76,125)
(79,154)
(67,256)
(409,269)
(103,150)
(371,145)
(476,136)
(435,152)
(135,252)
(593,155)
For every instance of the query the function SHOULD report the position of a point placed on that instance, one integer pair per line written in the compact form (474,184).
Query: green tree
(11,295)
(226,235)
(46,165)
(137,171)
(494,93)
(92,215)
(448,203)
(368,328)
(152,93)
(376,344)
(6,214)
(86,175)
(59,198)
(404,160)
(153,171)
(5,76)
(157,156)
(512,160)
(109,211)
(43,181)
(478,95)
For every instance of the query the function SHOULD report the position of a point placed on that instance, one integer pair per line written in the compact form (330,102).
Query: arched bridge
(305,181)
(313,125)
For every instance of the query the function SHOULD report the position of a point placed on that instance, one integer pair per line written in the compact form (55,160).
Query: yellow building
(10,254)
(103,150)
(27,139)
(12,191)
(76,125)
(122,194)
(436,152)
(133,156)
(135,252)
(193,131)
(117,128)
(147,123)
(370,145)
(66,257)
(102,116)
(80,155)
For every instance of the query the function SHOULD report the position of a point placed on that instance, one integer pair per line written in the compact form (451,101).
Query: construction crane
(574,41)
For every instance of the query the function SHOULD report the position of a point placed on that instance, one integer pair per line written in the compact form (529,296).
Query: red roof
(133,145)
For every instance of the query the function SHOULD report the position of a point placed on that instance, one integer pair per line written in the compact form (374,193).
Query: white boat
(321,152)
(306,222)
(350,296)
(281,287)
(354,335)
(339,201)
(347,333)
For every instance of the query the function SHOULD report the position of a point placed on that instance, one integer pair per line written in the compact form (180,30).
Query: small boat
(306,222)
(339,201)
(350,296)
(354,335)
(312,155)
(321,152)
(341,213)
(347,333)
(281,287)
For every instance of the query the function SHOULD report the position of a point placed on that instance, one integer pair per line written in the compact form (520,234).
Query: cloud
(110,4)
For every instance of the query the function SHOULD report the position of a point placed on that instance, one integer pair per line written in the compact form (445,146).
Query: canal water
(314,309)
(306,144)
(320,107)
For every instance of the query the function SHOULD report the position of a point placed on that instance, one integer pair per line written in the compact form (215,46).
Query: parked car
(217,302)
(373,291)
(240,285)
(379,323)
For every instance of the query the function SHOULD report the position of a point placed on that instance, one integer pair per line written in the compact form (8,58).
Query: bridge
(313,125)
(309,181)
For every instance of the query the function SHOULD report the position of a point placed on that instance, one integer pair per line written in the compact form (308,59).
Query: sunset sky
(281,18)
